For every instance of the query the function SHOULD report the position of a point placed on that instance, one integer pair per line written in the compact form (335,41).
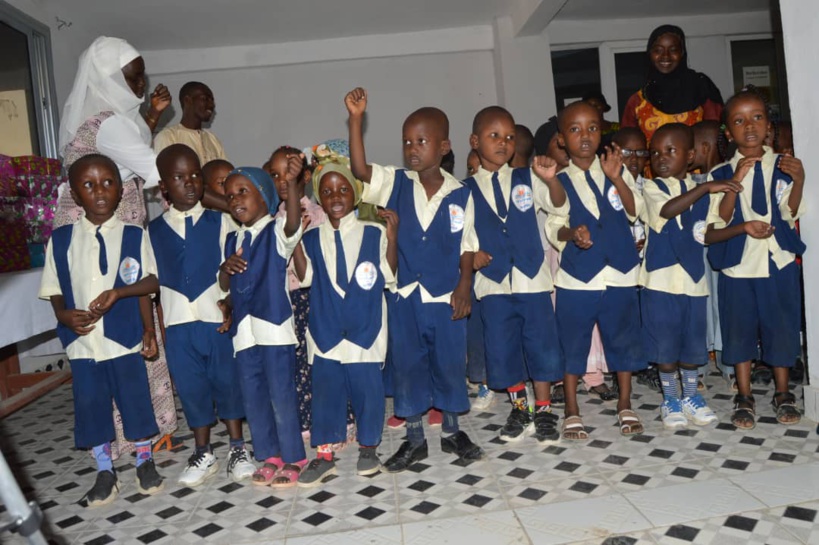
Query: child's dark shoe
(546,432)
(316,471)
(459,443)
(518,424)
(148,480)
(368,462)
(406,456)
(104,491)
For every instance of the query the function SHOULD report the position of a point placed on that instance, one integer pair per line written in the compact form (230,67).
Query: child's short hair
(711,131)
(561,115)
(681,130)
(524,140)
(215,163)
(488,112)
(627,132)
(448,162)
(91,158)
(433,114)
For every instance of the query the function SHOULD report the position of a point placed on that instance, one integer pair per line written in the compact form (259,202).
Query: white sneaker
(672,414)
(239,466)
(484,400)
(200,468)
(697,411)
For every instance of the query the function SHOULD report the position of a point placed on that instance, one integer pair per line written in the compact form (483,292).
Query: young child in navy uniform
(95,272)
(347,263)
(214,174)
(674,301)
(599,264)
(187,244)
(513,281)
(264,338)
(754,244)
(436,244)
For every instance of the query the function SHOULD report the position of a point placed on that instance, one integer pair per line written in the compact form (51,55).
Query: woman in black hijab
(672,93)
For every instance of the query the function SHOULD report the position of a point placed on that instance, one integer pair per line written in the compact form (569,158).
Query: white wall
(259,109)
(799,29)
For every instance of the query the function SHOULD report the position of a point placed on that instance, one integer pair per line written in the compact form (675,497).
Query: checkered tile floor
(702,485)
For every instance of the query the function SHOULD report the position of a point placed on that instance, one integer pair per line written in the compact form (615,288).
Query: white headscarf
(100,86)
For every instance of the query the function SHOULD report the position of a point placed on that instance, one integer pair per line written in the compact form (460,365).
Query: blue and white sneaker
(484,399)
(672,413)
(697,411)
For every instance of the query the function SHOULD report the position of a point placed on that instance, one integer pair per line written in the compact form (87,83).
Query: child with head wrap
(264,338)
(347,263)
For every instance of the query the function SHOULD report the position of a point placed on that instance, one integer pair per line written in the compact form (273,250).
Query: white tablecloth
(22,314)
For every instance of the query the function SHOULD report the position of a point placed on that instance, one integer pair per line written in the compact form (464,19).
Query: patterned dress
(131,210)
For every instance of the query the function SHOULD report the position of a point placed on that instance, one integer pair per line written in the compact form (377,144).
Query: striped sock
(689,381)
(669,384)
(517,395)
(543,406)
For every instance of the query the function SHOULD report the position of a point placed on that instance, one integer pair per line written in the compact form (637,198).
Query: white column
(800,27)
(523,74)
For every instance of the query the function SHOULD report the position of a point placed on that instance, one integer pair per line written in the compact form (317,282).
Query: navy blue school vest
(431,257)
(122,323)
(613,243)
(260,291)
(675,244)
(188,265)
(355,316)
(513,243)
(724,255)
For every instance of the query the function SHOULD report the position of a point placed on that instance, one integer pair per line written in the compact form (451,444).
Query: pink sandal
(264,475)
(286,477)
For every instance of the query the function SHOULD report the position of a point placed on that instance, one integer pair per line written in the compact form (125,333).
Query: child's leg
(280,368)
(576,314)
(368,403)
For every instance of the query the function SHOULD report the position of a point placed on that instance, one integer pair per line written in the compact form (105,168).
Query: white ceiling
(172,24)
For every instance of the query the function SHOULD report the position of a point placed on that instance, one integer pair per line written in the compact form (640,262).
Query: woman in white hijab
(102,115)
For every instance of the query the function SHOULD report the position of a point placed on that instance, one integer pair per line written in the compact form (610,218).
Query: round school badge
(522,197)
(129,270)
(456,218)
(614,198)
(366,275)
(699,231)
(781,185)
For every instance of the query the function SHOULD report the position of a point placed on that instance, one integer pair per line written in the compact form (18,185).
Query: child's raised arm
(356,102)
(293,178)
(676,206)
(300,262)
(612,164)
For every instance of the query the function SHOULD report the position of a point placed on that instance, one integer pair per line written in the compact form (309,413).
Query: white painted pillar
(800,26)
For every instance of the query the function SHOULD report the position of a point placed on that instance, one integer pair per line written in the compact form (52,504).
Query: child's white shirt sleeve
(379,189)
(308,272)
(49,283)
(284,244)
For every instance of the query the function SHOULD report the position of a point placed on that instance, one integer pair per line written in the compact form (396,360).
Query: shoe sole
(675,426)
(398,427)
(386,469)
(482,406)
(208,474)
(318,482)
(111,497)
(239,479)
(150,491)
(528,430)
(548,440)
(371,471)
(701,422)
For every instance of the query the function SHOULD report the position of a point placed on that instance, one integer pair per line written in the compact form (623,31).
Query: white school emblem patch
(129,270)
(614,199)
(522,197)
(366,275)
(699,231)
(456,218)
(781,185)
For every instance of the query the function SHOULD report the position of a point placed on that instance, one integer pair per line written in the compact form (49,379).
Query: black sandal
(603,392)
(742,415)
(786,411)
(761,374)
(558,397)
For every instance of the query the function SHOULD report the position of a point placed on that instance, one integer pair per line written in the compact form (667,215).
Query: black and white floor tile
(701,485)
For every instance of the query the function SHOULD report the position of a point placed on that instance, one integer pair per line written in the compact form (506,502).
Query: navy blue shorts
(475,347)
(428,356)
(761,309)
(616,311)
(335,384)
(123,379)
(521,339)
(674,327)
(201,363)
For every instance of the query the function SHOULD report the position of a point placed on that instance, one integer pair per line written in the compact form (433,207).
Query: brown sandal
(630,423)
(573,429)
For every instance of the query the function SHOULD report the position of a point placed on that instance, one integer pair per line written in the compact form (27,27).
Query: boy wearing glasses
(634,149)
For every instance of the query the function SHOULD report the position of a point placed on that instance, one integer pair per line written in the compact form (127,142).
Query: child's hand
(612,162)
(640,245)
(545,168)
(481,260)
(103,302)
(150,348)
(391,218)
(305,221)
(234,264)
(792,167)
(758,229)
(356,101)
(160,98)
(744,166)
(295,164)
(724,187)
(461,303)
(582,237)
(79,321)
(227,316)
